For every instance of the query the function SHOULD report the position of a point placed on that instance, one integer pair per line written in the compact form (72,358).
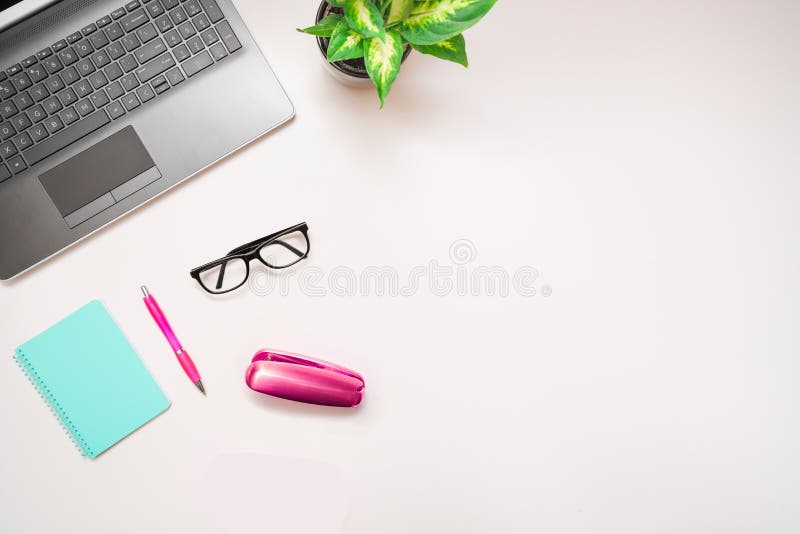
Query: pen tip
(144,290)
(199,385)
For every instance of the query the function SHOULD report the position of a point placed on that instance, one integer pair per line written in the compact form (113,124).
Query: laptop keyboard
(103,71)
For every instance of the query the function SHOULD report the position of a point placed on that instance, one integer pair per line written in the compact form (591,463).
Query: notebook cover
(91,377)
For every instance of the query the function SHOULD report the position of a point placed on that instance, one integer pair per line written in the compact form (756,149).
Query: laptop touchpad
(100,176)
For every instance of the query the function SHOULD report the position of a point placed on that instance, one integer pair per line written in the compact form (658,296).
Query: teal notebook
(91,377)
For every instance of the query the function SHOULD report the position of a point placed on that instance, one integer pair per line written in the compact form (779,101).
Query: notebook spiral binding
(53,404)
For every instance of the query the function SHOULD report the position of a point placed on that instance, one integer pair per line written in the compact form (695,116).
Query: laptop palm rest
(100,176)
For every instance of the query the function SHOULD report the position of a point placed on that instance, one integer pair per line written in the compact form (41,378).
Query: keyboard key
(145,93)
(160,64)
(104,21)
(115,109)
(114,32)
(23,100)
(197,63)
(17,165)
(134,20)
(69,115)
(155,9)
(5,174)
(74,37)
(178,15)
(101,59)
(149,51)
(85,67)
(117,13)
(195,45)
(52,105)
(201,22)
(186,30)
(84,48)
(67,97)
(169,4)
(40,91)
(6,131)
(53,124)
(70,76)
(14,69)
(53,64)
(41,54)
(38,132)
(21,122)
(37,113)
(82,88)
(213,10)
(130,6)
(21,81)
(84,107)
(115,91)
(98,79)
(7,149)
(23,141)
(113,72)
(55,143)
(175,76)
(68,56)
(147,33)
(131,42)
(129,82)
(37,73)
(7,89)
(128,63)
(209,36)
(28,61)
(98,40)
(8,109)
(99,98)
(192,7)
(160,84)
(115,50)
(89,29)
(181,53)
(164,23)
(130,101)
(173,38)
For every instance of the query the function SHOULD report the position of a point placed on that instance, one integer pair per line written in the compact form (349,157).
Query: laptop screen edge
(20,11)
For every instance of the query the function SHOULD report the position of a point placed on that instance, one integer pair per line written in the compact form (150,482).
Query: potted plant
(366,40)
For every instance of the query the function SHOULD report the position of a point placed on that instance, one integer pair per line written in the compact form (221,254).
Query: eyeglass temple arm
(277,241)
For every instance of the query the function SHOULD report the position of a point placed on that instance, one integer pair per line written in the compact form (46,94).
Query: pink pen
(183,356)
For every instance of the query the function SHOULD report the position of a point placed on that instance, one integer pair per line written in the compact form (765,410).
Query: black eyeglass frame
(250,251)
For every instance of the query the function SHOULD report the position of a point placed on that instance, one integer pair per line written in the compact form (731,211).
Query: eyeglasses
(276,251)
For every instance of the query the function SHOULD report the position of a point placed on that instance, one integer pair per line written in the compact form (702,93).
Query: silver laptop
(104,105)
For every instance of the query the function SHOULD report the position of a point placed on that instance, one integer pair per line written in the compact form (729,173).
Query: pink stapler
(300,378)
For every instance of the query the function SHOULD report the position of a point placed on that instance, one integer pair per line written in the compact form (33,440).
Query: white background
(642,155)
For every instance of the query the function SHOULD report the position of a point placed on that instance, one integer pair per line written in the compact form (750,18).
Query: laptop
(104,105)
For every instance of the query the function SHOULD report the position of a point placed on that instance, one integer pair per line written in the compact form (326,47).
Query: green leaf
(382,58)
(323,28)
(344,43)
(431,21)
(453,49)
(336,3)
(364,17)
(399,10)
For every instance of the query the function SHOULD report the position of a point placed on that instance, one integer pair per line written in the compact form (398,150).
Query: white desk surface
(642,156)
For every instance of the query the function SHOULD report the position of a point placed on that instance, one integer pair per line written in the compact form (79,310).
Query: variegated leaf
(431,21)
(336,3)
(453,49)
(382,58)
(364,17)
(323,28)
(344,43)
(399,10)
